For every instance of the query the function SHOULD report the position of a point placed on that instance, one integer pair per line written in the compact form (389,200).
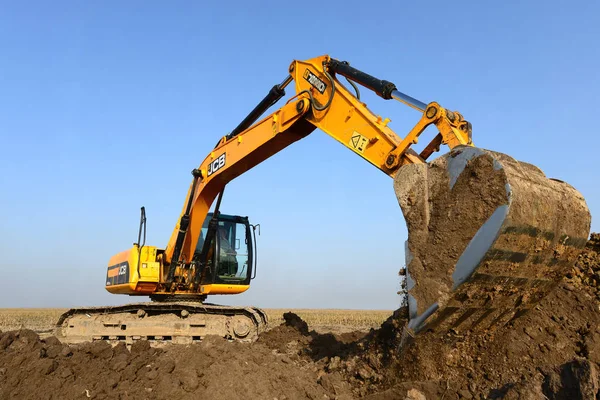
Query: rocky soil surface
(552,352)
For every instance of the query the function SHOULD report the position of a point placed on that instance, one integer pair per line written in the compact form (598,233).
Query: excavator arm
(321,101)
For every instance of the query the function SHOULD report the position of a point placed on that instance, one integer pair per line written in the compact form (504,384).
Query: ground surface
(552,352)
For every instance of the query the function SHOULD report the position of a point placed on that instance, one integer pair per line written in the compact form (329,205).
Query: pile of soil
(552,351)
(217,369)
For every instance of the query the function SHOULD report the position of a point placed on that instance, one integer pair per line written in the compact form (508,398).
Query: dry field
(37,319)
(339,321)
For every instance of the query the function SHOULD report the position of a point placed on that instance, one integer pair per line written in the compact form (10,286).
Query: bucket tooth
(485,232)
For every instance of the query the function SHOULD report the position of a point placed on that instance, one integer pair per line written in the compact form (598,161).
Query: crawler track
(160,323)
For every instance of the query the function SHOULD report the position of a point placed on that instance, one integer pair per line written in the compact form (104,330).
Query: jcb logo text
(216,165)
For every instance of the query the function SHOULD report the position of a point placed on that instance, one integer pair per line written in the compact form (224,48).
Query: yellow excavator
(488,236)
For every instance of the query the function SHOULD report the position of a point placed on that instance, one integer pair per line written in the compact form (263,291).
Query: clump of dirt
(586,273)
(551,352)
(352,362)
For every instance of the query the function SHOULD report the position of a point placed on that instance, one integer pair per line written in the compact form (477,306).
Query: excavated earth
(551,352)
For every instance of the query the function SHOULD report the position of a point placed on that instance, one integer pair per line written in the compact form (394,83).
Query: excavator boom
(488,236)
(321,101)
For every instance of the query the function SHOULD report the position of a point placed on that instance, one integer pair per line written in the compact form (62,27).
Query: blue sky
(108,106)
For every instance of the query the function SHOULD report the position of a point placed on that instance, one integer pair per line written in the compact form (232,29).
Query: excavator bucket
(488,238)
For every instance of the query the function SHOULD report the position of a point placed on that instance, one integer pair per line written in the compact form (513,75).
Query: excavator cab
(228,257)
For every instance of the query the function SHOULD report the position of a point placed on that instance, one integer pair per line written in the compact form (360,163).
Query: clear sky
(108,106)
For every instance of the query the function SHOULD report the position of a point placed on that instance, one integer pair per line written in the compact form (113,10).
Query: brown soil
(552,351)
(442,222)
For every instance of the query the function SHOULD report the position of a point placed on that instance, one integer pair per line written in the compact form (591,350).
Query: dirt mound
(552,351)
(214,369)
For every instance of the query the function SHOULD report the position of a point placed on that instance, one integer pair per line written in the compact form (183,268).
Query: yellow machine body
(138,272)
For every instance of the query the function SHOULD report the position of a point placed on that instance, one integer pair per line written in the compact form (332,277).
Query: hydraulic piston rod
(408,100)
(384,89)
(276,93)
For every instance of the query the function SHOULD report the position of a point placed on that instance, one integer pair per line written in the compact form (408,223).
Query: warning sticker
(358,142)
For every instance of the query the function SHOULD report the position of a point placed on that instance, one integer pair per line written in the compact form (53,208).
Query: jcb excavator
(488,236)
